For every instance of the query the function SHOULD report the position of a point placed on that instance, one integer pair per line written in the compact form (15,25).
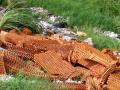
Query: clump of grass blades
(17,16)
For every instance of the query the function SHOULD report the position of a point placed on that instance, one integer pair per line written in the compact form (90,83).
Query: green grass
(21,82)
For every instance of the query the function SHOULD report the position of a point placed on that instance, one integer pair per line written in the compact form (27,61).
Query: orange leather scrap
(53,64)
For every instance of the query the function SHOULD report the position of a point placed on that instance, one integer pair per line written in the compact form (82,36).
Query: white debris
(119,53)
(89,41)
(55,24)
(59,81)
(6,78)
(2,49)
(70,81)
(45,25)
(66,33)
(67,38)
(111,34)
(55,19)
(52,18)
(79,82)
(115,53)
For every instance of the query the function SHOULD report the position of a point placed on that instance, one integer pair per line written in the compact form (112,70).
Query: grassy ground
(87,14)
(21,82)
